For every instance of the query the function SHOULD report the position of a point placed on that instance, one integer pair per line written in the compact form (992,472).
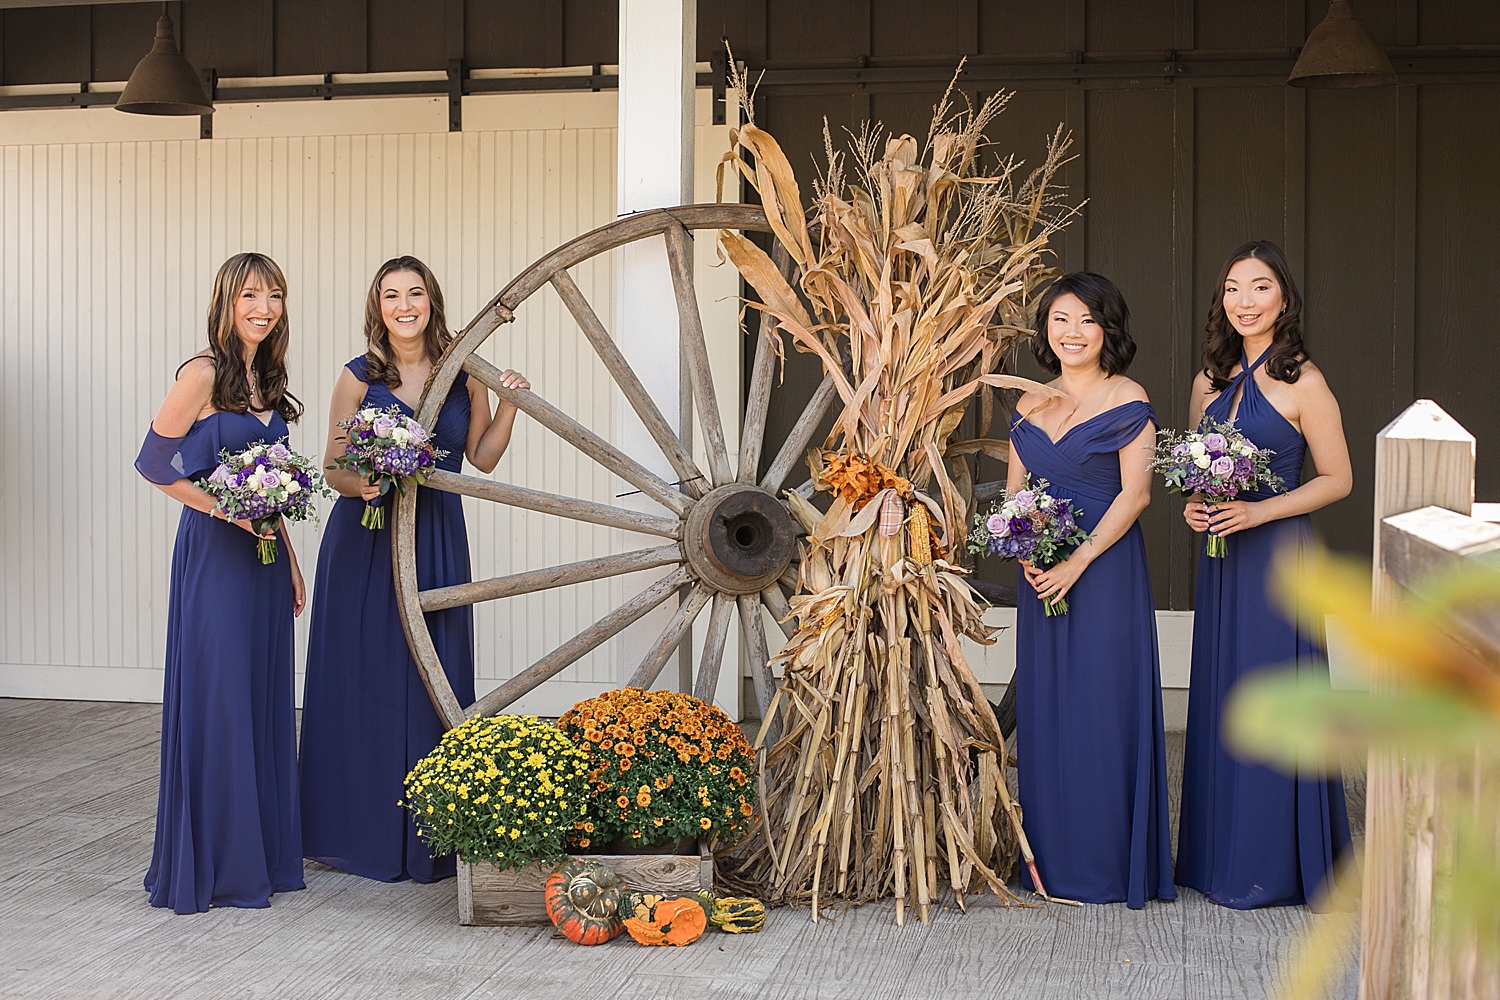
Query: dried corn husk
(918,272)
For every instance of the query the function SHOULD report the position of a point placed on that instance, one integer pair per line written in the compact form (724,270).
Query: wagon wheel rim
(727,536)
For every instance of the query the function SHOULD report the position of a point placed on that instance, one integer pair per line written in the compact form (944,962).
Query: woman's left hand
(1057,581)
(1235,515)
(512,379)
(299,592)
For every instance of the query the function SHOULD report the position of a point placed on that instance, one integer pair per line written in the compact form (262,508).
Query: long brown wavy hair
(1224,346)
(380,360)
(231,387)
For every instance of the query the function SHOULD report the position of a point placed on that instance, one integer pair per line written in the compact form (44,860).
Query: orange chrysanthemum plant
(663,766)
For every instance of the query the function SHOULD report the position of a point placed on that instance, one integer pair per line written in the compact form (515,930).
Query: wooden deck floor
(77,799)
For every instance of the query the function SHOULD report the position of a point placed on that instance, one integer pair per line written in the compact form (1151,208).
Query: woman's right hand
(1032,573)
(1196,515)
(368,492)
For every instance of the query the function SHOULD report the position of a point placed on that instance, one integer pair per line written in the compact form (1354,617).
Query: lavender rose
(998,525)
(1215,442)
(383,426)
(278,453)
(1222,466)
(1025,501)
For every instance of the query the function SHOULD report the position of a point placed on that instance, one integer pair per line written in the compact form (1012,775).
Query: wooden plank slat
(760,655)
(579,436)
(695,353)
(671,637)
(776,603)
(707,682)
(630,384)
(531,581)
(583,642)
(801,433)
(514,897)
(1434,541)
(552,503)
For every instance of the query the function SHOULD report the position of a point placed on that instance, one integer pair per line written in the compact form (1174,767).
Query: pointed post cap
(164,83)
(1340,53)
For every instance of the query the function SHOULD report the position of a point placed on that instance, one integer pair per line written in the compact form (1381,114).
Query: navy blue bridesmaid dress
(227,830)
(1249,835)
(366,716)
(1089,737)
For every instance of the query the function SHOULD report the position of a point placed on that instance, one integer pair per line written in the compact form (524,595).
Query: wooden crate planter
(488,897)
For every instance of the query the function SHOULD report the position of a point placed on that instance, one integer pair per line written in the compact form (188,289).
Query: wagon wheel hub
(739,539)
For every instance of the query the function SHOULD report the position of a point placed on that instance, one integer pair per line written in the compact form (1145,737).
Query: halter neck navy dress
(366,716)
(1089,737)
(1251,836)
(227,831)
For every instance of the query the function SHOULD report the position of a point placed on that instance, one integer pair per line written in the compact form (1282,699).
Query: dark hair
(1105,304)
(1224,347)
(231,388)
(380,365)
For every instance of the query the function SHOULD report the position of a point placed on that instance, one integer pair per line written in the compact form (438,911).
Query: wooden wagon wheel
(730,537)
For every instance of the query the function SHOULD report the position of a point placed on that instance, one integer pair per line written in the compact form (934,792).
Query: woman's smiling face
(405,305)
(1073,334)
(1253,299)
(257,310)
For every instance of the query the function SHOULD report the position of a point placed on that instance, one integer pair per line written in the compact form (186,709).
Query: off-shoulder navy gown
(366,716)
(227,831)
(1089,738)
(1249,835)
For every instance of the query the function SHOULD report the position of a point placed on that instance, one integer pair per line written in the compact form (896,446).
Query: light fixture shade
(164,83)
(1340,53)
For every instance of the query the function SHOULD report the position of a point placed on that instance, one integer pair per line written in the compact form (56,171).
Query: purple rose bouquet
(1032,525)
(388,449)
(268,484)
(1216,462)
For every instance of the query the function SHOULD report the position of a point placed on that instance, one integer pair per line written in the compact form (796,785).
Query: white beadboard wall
(106,260)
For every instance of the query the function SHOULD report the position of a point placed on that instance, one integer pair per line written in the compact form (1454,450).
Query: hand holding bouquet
(388,449)
(267,484)
(1033,526)
(1216,462)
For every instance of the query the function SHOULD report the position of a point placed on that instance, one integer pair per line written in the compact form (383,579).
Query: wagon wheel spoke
(671,637)
(695,350)
(546,579)
(630,385)
(776,603)
(802,432)
(707,681)
(757,405)
(552,503)
(760,655)
(566,654)
(579,436)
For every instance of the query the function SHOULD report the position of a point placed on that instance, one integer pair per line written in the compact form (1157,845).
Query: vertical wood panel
(107,255)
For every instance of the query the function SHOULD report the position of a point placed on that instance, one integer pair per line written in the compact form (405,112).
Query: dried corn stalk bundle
(885,772)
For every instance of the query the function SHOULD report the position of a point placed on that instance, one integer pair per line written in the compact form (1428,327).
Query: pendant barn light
(164,83)
(1340,53)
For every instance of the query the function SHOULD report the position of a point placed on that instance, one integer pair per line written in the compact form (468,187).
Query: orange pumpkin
(673,921)
(583,899)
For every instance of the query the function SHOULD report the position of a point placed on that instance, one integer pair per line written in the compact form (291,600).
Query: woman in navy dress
(1249,835)
(227,832)
(366,717)
(1089,739)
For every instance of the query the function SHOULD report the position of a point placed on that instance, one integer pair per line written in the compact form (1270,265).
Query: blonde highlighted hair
(380,361)
(231,387)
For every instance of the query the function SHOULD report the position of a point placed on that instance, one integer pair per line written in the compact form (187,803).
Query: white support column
(658,40)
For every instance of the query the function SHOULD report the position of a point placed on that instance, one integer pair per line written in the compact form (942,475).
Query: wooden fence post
(1422,458)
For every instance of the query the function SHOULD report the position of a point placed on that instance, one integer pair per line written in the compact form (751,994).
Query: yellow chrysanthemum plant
(663,766)
(506,789)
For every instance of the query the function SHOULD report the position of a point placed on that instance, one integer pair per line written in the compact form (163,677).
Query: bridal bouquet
(268,484)
(1216,462)
(388,449)
(1031,525)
